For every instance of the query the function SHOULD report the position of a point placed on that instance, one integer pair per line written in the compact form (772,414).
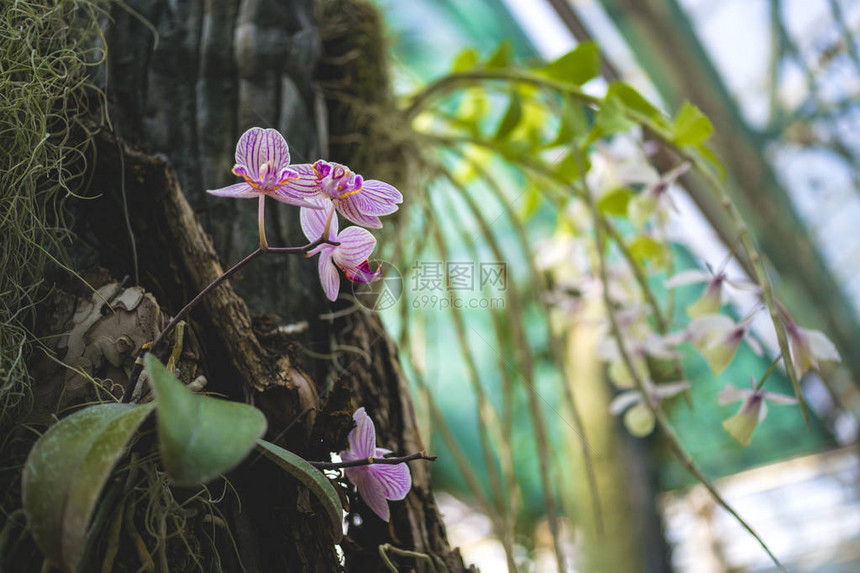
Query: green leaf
(610,119)
(501,58)
(575,67)
(200,437)
(511,118)
(633,100)
(615,201)
(567,170)
(311,478)
(66,471)
(573,122)
(532,202)
(691,126)
(466,60)
(645,248)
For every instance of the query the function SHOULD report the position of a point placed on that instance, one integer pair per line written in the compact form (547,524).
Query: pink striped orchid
(360,201)
(263,161)
(375,483)
(350,255)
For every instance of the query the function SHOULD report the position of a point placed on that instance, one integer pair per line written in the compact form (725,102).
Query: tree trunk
(178,101)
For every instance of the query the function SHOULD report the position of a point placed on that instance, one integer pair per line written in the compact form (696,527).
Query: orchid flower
(360,201)
(712,299)
(618,163)
(718,338)
(639,419)
(638,351)
(808,347)
(375,483)
(262,160)
(655,198)
(350,255)
(753,410)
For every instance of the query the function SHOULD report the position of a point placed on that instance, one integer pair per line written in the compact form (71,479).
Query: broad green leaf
(615,201)
(311,478)
(512,117)
(575,67)
(567,169)
(466,60)
(610,119)
(691,126)
(200,437)
(501,58)
(474,107)
(66,471)
(633,100)
(645,248)
(532,200)
(573,122)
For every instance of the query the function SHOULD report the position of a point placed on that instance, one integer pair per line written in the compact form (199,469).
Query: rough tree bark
(183,81)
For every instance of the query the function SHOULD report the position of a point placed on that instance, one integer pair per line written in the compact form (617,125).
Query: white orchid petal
(780,399)
(670,388)
(707,323)
(732,394)
(762,413)
(755,345)
(624,401)
(688,277)
(821,346)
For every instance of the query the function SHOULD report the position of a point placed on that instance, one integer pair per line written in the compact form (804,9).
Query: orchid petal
(755,345)
(313,220)
(329,278)
(702,326)
(349,209)
(258,146)
(356,245)
(640,420)
(237,191)
(641,208)
(306,184)
(371,490)
(732,394)
(376,198)
(284,195)
(741,426)
(362,438)
(821,346)
(670,389)
(624,401)
(363,273)
(762,412)
(671,176)
(710,301)
(720,352)
(395,479)
(780,399)
(688,277)
(621,375)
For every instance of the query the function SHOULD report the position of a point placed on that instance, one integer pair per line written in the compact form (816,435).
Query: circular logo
(384,292)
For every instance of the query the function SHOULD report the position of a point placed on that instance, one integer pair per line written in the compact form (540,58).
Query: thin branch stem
(230,272)
(372,461)
(154,347)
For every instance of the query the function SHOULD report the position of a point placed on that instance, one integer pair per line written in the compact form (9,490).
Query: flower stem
(261,223)
(768,372)
(159,340)
(371,461)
